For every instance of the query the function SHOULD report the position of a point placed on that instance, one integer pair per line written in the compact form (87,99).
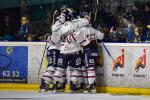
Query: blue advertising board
(13,64)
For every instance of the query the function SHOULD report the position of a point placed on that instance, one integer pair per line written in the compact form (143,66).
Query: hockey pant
(52,56)
(90,57)
(73,60)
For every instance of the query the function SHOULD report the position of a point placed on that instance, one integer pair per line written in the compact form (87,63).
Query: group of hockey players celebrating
(73,44)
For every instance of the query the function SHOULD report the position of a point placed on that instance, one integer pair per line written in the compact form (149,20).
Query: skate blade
(90,91)
(77,91)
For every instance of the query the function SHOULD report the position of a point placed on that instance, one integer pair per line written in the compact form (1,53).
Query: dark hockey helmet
(68,17)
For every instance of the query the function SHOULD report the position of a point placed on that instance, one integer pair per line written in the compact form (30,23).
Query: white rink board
(126,76)
(122,77)
(35,53)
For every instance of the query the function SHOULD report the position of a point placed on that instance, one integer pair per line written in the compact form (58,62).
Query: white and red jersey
(80,22)
(52,45)
(54,39)
(69,47)
(67,28)
(85,35)
(66,47)
(71,26)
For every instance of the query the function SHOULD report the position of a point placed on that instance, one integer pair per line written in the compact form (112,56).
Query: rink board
(110,90)
(124,67)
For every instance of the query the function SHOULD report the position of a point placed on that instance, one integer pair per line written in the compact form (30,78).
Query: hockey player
(52,55)
(69,54)
(87,37)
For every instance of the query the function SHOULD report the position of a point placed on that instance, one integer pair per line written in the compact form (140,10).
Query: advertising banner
(124,65)
(13,64)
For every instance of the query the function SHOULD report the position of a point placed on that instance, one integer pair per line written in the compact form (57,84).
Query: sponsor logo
(141,62)
(9,50)
(119,61)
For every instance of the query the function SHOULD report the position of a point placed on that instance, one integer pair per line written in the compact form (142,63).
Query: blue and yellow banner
(13,64)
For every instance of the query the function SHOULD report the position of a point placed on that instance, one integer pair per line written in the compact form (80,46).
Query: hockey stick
(42,60)
(108,51)
(54,16)
(45,48)
(95,15)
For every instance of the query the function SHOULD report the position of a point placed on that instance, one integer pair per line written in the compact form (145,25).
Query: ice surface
(11,95)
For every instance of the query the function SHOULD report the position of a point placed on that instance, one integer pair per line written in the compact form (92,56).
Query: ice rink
(11,95)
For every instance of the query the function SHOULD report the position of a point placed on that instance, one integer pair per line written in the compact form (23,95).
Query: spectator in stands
(42,30)
(141,29)
(1,32)
(45,28)
(114,4)
(116,35)
(8,29)
(128,27)
(105,30)
(146,14)
(26,32)
(148,31)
